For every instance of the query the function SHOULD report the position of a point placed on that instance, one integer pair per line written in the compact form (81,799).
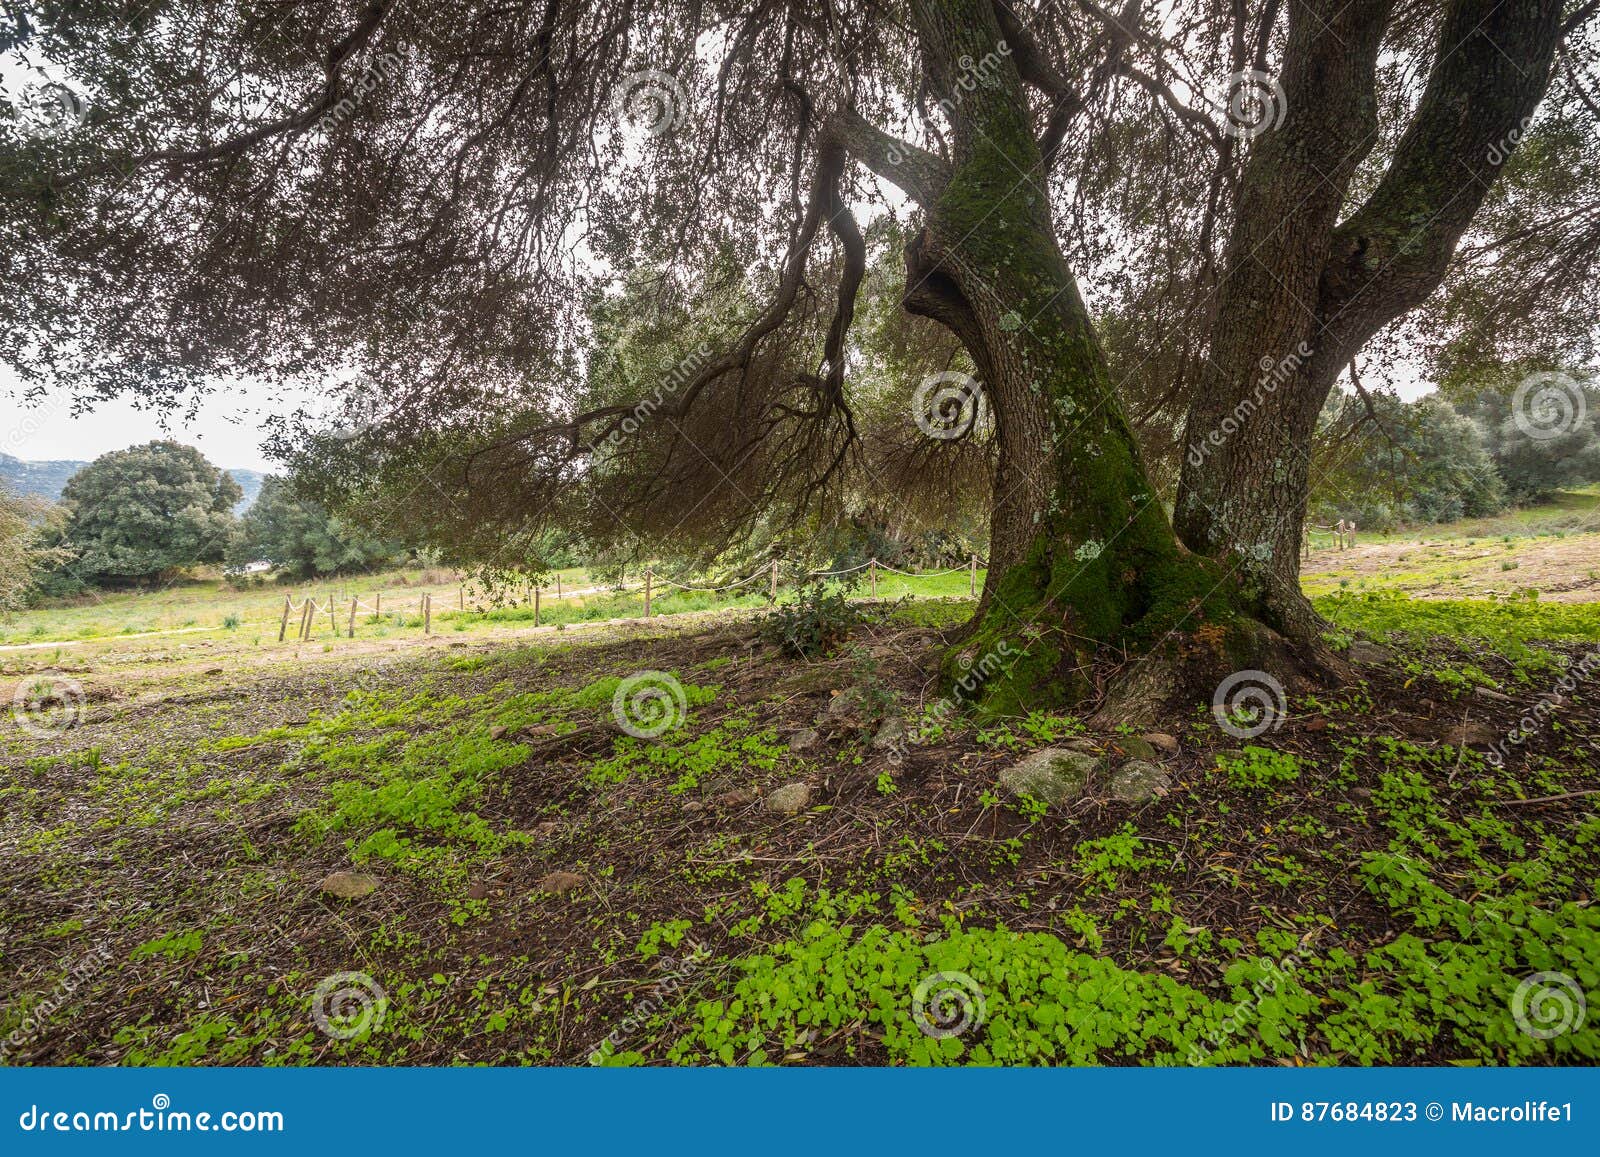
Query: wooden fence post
(558,584)
(427,614)
(872,576)
(647,576)
(283,627)
(305,618)
(972,580)
(352,616)
(536,606)
(377,603)
(461,598)
(774,580)
(333,617)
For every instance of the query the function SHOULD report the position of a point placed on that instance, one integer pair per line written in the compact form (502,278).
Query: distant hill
(47,478)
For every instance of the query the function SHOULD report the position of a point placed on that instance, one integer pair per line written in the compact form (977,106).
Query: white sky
(228,428)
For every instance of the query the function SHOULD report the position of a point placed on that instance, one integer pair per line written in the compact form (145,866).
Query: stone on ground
(1053,775)
(788,799)
(1139,780)
(348,885)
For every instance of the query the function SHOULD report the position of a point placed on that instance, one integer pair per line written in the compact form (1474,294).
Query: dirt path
(1562,568)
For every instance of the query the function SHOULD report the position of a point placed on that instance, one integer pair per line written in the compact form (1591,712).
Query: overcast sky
(228,429)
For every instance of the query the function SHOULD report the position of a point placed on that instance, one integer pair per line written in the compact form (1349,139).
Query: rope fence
(309,611)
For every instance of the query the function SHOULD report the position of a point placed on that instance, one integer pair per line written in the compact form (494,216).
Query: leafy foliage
(815,623)
(135,515)
(299,537)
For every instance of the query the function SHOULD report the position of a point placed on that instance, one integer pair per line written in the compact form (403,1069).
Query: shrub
(814,624)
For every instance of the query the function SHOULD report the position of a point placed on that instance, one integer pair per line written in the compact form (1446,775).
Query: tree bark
(1082,555)
(1302,293)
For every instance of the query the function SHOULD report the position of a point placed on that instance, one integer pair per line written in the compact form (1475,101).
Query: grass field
(451,849)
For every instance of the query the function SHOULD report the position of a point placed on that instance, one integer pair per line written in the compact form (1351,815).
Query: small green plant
(814,624)
(1259,767)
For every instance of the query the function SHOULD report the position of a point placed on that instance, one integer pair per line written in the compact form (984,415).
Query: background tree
(412,200)
(1542,426)
(25,553)
(137,515)
(1386,463)
(300,538)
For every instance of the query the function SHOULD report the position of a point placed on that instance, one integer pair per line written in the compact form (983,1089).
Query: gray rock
(845,707)
(1161,741)
(891,734)
(348,885)
(804,740)
(1053,775)
(1139,780)
(1087,746)
(1136,747)
(788,799)
(1492,695)
(1365,654)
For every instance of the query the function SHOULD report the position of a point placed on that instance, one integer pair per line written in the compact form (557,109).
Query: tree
(25,554)
(1384,462)
(300,537)
(411,200)
(1542,426)
(137,515)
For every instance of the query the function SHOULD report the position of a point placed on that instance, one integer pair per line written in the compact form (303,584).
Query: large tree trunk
(1301,293)
(1082,555)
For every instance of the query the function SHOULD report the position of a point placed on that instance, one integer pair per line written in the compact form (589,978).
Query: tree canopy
(138,514)
(1138,223)
(300,538)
